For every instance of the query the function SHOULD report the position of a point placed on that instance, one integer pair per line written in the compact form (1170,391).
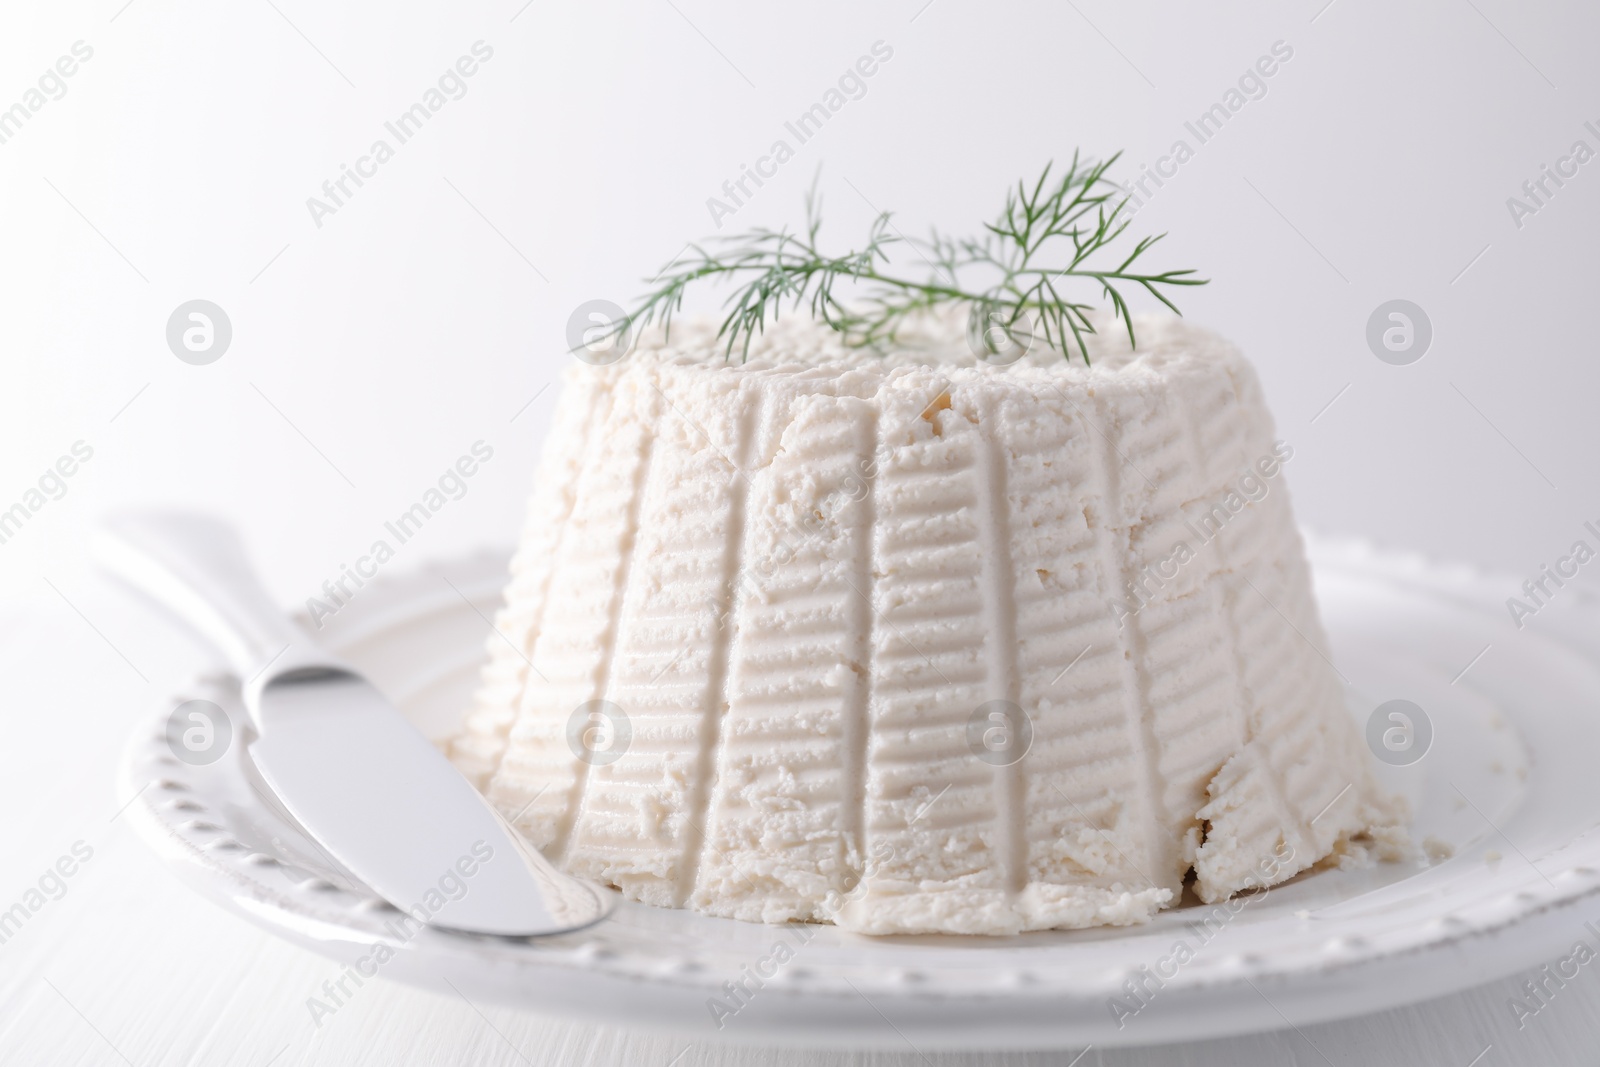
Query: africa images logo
(451,85)
(454,883)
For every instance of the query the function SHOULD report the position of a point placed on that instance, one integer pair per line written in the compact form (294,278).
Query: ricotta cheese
(913,643)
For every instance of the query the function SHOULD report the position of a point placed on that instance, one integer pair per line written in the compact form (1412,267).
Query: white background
(428,311)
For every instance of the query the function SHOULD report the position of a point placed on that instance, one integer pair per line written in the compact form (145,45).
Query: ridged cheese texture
(801,580)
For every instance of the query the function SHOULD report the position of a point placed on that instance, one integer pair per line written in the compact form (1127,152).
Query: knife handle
(196,567)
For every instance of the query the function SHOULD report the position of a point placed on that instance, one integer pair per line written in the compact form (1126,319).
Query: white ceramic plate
(1508,784)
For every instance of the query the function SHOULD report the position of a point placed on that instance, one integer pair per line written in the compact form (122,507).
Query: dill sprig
(1079,214)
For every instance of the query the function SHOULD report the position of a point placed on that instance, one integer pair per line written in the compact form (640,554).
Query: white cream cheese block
(915,643)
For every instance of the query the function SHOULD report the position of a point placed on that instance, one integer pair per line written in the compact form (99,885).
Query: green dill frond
(1050,235)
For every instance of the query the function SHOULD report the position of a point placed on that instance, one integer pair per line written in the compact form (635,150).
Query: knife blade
(341,759)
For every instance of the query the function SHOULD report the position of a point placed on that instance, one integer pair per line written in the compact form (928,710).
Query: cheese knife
(345,763)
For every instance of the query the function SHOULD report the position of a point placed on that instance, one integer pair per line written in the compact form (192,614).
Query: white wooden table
(128,966)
